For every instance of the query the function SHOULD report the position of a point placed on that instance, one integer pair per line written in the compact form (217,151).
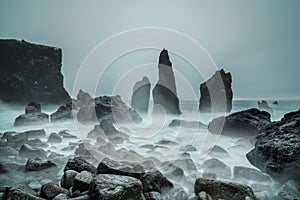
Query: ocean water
(153,130)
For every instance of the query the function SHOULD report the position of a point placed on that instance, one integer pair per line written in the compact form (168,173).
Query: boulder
(164,92)
(155,181)
(223,190)
(110,131)
(79,164)
(63,113)
(96,132)
(111,187)
(39,133)
(247,122)
(31,119)
(30,152)
(277,149)
(141,95)
(54,138)
(218,151)
(16,139)
(245,173)
(33,107)
(216,93)
(68,178)
(37,164)
(289,190)
(82,181)
(108,166)
(263,105)
(216,166)
(31,72)
(21,192)
(172,171)
(65,134)
(176,123)
(50,190)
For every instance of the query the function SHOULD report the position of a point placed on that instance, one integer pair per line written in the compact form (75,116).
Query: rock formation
(31,72)
(141,95)
(263,105)
(216,93)
(277,150)
(246,122)
(164,93)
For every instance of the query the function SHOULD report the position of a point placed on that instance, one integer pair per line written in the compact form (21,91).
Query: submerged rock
(246,122)
(245,173)
(223,190)
(141,95)
(277,150)
(110,187)
(38,164)
(216,93)
(164,93)
(31,72)
(263,105)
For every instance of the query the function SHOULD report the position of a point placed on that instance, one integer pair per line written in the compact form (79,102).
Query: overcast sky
(257,41)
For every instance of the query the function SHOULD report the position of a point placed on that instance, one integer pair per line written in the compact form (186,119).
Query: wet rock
(37,143)
(289,190)
(204,196)
(188,148)
(63,113)
(8,151)
(245,173)
(208,175)
(68,178)
(32,117)
(17,140)
(35,185)
(11,164)
(263,105)
(277,150)
(110,131)
(247,122)
(79,164)
(141,95)
(31,152)
(96,132)
(54,138)
(31,72)
(39,133)
(83,149)
(155,181)
(218,151)
(65,134)
(172,171)
(108,166)
(216,93)
(82,181)
(33,107)
(275,103)
(38,164)
(223,190)
(164,92)
(185,162)
(216,166)
(153,196)
(84,98)
(176,123)
(51,190)
(21,192)
(110,187)
(61,196)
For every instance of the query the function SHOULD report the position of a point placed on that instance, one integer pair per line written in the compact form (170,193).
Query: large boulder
(20,192)
(78,164)
(223,190)
(32,116)
(141,95)
(31,72)
(216,93)
(111,187)
(277,149)
(50,190)
(164,92)
(246,122)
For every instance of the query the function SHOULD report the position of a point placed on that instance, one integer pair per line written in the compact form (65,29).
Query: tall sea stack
(141,95)
(31,72)
(164,93)
(216,93)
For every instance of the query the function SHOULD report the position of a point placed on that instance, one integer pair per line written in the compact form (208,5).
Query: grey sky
(257,41)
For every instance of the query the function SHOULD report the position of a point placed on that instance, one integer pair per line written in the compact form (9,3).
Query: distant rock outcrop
(31,72)
(277,150)
(216,93)
(263,105)
(141,95)
(164,93)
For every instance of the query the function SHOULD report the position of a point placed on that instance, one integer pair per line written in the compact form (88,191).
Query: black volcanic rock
(263,105)
(277,150)
(63,113)
(32,116)
(31,72)
(141,95)
(164,93)
(246,122)
(216,93)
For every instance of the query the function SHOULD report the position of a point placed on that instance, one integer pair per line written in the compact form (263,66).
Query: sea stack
(31,72)
(216,93)
(141,95)
(164,93)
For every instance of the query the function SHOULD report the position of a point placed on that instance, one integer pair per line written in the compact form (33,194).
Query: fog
(257,41)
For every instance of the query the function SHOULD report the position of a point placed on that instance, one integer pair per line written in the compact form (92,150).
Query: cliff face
(216,93)
(31,72)
(141,95)
(164,93)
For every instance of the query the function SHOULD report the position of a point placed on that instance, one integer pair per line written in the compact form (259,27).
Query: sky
(257,41)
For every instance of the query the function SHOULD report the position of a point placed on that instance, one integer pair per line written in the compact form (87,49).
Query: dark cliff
(31,72)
